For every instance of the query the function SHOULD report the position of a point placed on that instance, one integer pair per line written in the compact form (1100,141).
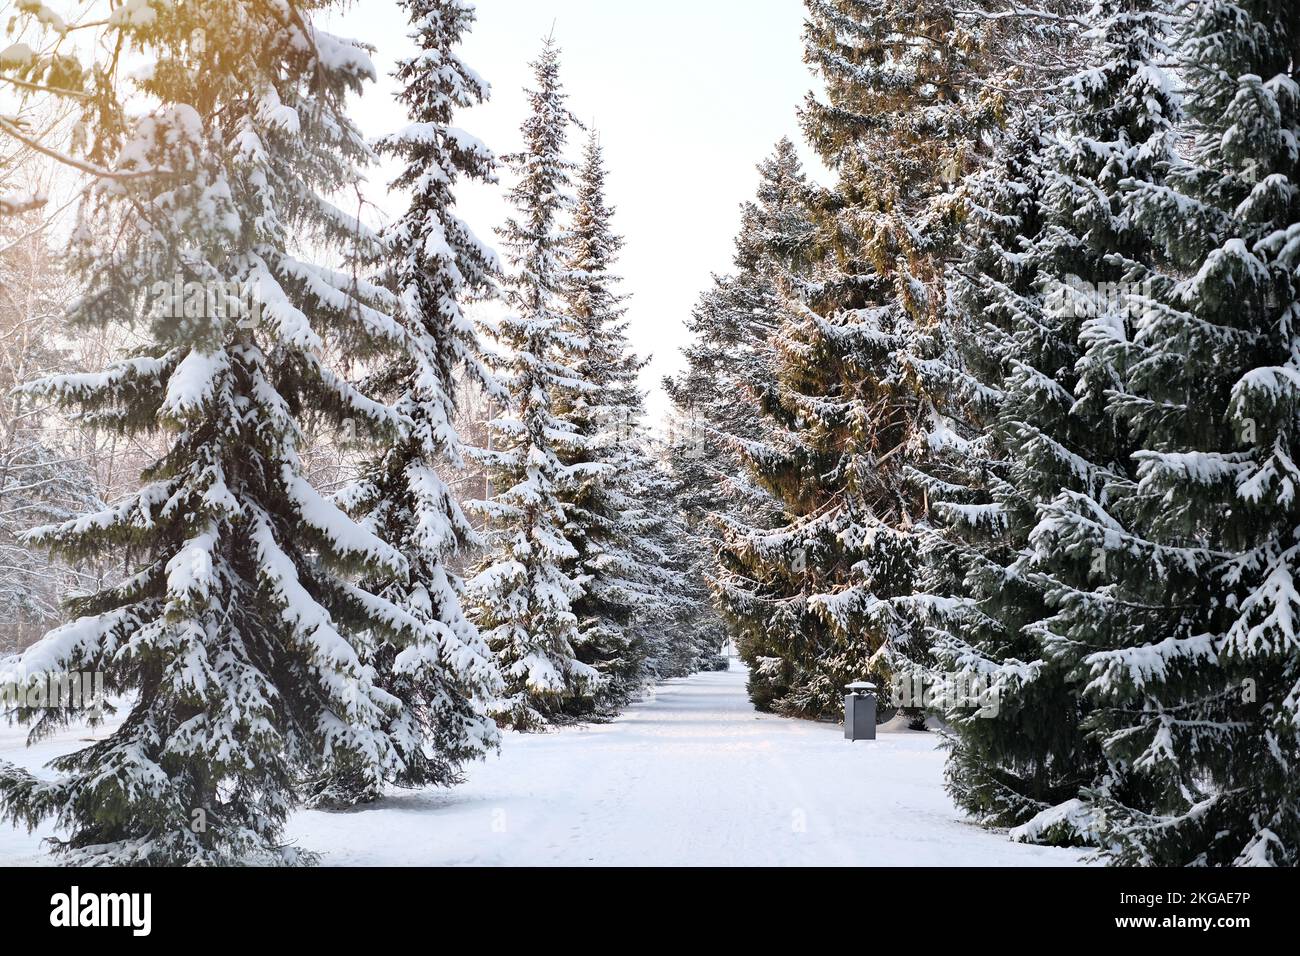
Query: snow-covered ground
(690,776)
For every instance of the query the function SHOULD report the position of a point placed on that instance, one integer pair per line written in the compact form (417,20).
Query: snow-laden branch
(14,204)
(10,128)
(1017,12)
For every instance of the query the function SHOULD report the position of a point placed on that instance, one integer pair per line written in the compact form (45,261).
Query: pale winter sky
(688,95)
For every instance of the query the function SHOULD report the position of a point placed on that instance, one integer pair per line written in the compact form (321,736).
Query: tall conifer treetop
(445,676)
(524,592)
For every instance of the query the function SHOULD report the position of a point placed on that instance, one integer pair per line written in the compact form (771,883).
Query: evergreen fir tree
(730,369)
(603,516)
(230,634)
(977,596)
(444,677)
(730,361)
(814,596)
(1054,242)
(524,592)
(1187,642)
(639,613)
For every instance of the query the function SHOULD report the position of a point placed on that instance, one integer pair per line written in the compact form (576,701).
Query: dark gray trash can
(860,711)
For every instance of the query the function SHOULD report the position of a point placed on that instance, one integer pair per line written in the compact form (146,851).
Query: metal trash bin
(860,711)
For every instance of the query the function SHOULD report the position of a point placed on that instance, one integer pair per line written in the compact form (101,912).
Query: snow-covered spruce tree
(523,593)
(729,372)
(603,516)
(1118,133)
(976,596)
(639,611)
(229,636)
(1053,243)
(813,596)
(1195,687)
(729,362)
(445,676)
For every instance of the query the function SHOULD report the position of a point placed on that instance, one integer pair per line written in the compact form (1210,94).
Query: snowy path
(692,776)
